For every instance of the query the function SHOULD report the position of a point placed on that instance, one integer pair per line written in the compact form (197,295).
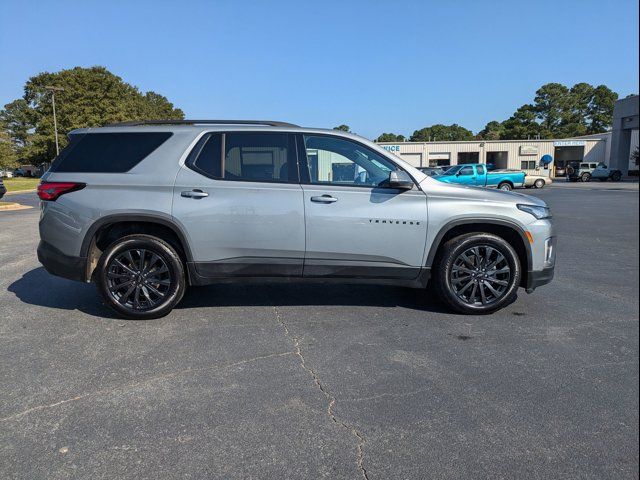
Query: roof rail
(133,123)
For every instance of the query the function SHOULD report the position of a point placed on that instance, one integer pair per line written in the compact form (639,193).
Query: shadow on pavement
(309,294)
(38,287)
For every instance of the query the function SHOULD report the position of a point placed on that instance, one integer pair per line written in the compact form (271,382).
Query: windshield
(453,170)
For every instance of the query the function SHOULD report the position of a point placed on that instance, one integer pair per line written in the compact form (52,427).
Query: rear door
(355,225)
(239,201)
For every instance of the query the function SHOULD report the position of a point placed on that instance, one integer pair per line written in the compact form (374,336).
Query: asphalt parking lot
(312,381)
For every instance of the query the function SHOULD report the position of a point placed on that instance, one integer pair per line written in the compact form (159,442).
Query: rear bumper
(3,190)
(536,279)
(57,263)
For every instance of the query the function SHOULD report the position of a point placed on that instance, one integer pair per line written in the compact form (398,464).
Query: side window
(258,157)
(251,157)
(480,170)
(206,155)
(338,161)
(466,171)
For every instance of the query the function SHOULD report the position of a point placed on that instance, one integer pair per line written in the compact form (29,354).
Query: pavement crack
(331,399)
(161,376)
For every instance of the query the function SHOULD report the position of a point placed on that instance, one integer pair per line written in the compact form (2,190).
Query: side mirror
(400,179)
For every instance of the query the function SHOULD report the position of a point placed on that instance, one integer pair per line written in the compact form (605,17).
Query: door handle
(324,199)
(195,193)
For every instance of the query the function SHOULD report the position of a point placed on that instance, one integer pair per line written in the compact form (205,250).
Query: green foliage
(441,133)
(91,97)
(390,137)
(493,130)
(560,112)
(8,157)
(342,128)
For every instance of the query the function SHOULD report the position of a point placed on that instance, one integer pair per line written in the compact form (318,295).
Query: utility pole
(53,91)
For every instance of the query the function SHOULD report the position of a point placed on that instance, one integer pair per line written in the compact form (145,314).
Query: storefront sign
(391,148)
(569,143)
(528,150)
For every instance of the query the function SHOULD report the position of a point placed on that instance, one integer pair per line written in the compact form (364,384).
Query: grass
(20,183)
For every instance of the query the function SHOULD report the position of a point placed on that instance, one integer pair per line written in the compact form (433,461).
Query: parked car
(18,172)
(432,171)
(536,181)
(200,202)
(3,189)
(584,172)
(477,175)
(6,174)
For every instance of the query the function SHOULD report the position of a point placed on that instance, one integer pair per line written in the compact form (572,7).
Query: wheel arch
(509,231)
(109,228)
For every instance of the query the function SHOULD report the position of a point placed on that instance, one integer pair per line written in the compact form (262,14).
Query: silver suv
(144,209)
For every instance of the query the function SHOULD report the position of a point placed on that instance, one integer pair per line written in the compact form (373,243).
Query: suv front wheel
(477,273)
(140,277)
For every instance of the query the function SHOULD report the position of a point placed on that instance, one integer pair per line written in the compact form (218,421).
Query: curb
(13,206)
(17,192)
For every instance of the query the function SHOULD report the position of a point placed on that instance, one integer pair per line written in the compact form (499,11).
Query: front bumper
(536,279)
(57,263)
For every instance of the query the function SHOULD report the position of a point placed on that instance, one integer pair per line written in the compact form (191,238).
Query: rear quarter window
(107,152)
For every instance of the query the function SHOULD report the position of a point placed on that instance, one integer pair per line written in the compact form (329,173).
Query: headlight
(536,211)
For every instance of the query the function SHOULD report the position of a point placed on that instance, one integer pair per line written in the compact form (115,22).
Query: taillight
(52,190)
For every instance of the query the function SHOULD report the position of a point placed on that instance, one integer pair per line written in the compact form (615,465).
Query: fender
(471,221)
(164,220)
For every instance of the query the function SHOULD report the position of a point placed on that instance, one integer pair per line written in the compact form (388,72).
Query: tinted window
(480,170)
(466,171)
(259,157)
(107,152)
(205,156)
(343,162)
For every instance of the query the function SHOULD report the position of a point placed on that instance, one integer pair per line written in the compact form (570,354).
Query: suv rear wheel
(140,277)
(585,177)
(477,273)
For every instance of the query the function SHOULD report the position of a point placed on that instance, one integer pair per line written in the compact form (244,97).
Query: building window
(528,164)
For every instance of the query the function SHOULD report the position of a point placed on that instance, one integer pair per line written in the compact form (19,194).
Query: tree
(575,120)
(91,97)
(8,157)
(342,128)
(493,130)
(635,156)
(390,137)
(552,105)
(600,111)
(441,133)
(522,125)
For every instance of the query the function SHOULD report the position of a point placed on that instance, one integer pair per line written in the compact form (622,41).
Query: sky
(393,66)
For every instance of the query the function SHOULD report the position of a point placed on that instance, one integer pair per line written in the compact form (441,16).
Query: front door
(355,225)
(240,203)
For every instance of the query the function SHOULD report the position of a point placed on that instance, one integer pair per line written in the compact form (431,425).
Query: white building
(526,155)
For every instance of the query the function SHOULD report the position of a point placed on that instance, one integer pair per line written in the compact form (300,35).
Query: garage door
(414,159)
(439,158)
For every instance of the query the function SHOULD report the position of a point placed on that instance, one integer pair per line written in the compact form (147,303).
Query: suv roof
(135,123)
(206,125)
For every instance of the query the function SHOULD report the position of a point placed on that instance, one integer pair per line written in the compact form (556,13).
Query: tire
(126,283)
(539,183)
(616,176)
(505,187)
(459,297)
(585,177)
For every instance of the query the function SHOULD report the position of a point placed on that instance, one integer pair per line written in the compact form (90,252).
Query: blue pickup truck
(476,175)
